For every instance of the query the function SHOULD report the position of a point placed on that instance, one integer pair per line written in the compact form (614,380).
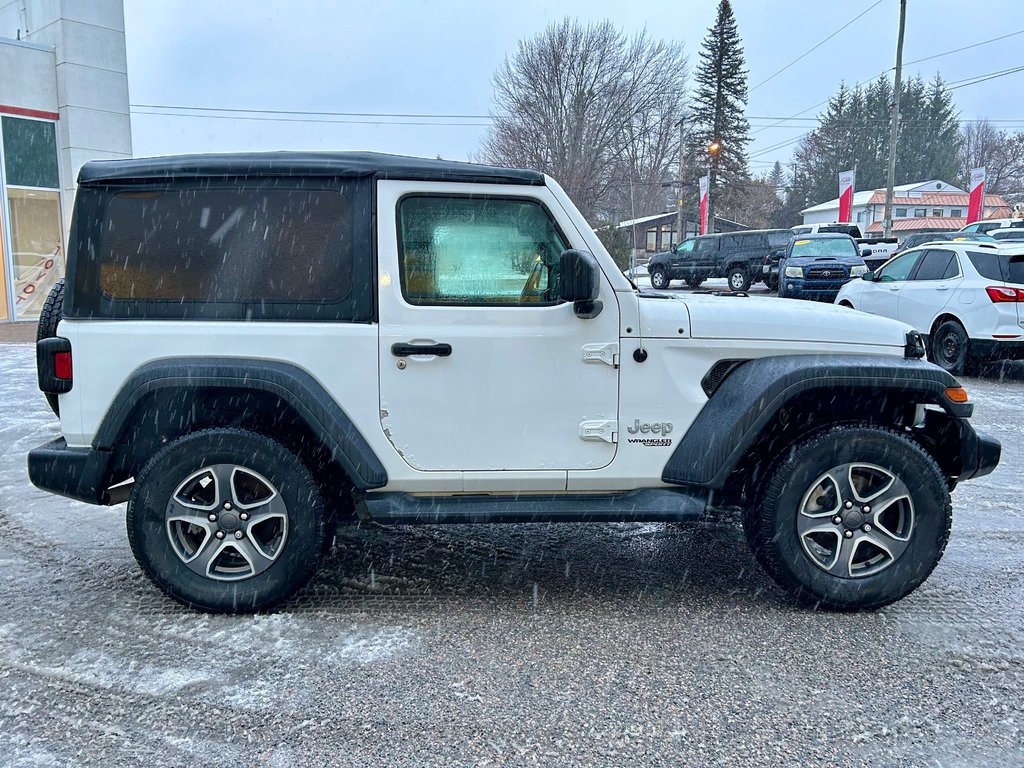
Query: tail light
(54,365)
(1001,293)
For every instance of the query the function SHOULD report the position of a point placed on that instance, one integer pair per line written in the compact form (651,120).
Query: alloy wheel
(226,522)
(856,520)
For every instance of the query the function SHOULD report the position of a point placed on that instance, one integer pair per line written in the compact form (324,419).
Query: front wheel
(738,279)
(658,278)
(227,520)
(854,518)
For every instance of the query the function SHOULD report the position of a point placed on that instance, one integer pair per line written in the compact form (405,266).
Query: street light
(714,148)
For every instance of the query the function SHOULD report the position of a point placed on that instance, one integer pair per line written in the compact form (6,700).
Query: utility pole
(894,131)
(680,223)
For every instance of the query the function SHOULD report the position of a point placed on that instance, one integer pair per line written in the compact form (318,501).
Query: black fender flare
(322,414)
(754,392)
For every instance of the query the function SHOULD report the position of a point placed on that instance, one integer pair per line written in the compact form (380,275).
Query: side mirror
(581,282)
(865,253)
(869,276)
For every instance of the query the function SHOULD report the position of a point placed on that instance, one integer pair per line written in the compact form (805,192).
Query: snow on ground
(506,645)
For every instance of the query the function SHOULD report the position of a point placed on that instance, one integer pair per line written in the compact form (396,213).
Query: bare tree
(592,108)
(1002,155)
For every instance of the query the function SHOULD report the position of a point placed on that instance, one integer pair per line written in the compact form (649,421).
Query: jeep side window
(707,244)
(899,269)
(685,247)
(478,251)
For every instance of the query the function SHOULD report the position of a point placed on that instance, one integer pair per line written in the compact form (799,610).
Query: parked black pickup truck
(737,256)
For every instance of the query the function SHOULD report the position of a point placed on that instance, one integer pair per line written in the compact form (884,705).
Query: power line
(263,118)
(982,78)
(966,47)
(816,47)
(319,113)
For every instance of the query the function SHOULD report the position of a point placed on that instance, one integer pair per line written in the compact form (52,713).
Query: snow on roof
(645,219)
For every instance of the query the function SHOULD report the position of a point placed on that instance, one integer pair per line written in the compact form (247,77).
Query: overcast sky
(437,58)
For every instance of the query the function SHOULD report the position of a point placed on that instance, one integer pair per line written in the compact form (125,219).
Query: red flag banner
(704,182)
(846,181)
(976,207)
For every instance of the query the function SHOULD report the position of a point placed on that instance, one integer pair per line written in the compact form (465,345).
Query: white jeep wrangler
(255,348)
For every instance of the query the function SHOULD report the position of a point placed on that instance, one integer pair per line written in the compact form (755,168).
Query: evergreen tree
(853,131)
(777,179)
(718,108)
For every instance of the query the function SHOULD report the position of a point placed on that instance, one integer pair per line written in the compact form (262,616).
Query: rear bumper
(78,473)
(990,349)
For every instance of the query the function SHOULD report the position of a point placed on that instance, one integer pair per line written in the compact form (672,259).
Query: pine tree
(718,108)
(777,179)
(853,131)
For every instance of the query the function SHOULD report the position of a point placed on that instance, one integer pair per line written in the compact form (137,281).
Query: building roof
(646,219)
(866,197)
(936,198)
(935,223)
(335,164)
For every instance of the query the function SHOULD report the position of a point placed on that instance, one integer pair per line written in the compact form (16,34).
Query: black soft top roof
(262,164)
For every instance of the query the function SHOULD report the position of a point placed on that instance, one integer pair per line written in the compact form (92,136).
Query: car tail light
(1001,293)
(62,365)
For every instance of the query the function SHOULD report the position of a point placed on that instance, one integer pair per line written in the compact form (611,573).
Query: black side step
(645,505)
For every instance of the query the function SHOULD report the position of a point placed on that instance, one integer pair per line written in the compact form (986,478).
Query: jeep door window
(685,247)
(779,239)
(899,269)
(478,251)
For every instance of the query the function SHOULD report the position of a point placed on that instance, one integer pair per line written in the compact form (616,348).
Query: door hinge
(601,353)
(608,431)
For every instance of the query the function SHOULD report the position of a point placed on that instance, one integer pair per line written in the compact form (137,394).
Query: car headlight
(794,271)
(858,271)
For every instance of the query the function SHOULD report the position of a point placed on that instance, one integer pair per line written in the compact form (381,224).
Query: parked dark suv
(737,256)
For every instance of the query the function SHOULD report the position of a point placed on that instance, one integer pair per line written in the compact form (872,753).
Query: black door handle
(405,350)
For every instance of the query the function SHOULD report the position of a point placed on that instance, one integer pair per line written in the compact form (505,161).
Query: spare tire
(50,316)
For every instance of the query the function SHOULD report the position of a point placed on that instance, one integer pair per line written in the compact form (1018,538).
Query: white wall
(27,77)
(89,74)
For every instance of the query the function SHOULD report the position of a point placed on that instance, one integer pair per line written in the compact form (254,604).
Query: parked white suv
(966,298)
(256,348)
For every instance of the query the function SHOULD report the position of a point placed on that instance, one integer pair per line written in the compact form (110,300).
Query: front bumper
(801,288)
(979,452)
(82,474)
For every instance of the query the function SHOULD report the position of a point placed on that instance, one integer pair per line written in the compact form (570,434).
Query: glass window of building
(34,223)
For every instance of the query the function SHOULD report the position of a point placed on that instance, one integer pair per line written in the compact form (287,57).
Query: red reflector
(1000,293)
(62,365)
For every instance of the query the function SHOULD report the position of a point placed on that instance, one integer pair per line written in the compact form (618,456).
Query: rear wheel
(738,278)
(49,317)
(227,520)
(951,348)
(853,518)
(659,278)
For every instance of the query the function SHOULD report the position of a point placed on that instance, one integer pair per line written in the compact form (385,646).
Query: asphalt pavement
(553,645)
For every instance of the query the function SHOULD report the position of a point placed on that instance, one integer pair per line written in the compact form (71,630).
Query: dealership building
(63,102)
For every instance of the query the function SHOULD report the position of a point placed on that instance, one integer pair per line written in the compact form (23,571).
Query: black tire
(659,278)
(302,544)
(773,531)
(772,284)
(695,282)
(53,310)
(950,348)
(738,278)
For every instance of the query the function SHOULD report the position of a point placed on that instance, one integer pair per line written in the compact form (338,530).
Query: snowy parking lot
(619,645)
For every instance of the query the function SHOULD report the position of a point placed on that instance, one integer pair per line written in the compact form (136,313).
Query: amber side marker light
(957,394)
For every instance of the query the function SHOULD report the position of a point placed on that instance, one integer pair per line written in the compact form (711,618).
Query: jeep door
(482,366)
